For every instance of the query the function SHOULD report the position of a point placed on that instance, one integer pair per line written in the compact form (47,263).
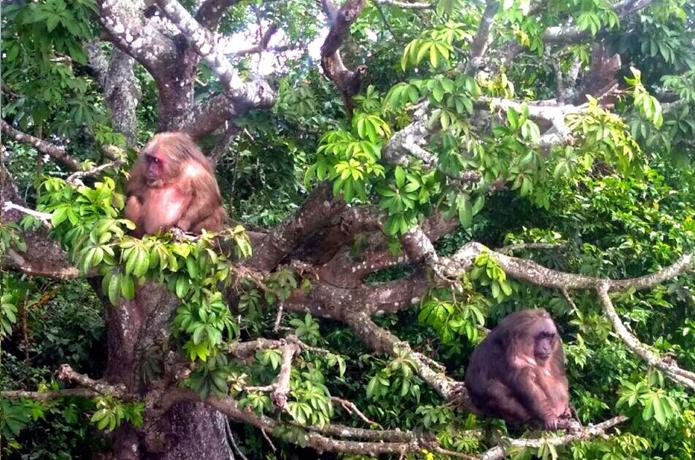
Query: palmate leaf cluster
(86,220)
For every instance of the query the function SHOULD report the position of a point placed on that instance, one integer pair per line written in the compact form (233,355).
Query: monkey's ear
(502,341)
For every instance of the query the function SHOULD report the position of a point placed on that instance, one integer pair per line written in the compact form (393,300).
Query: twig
(267,438)
(230,435)
(76,178)
(568,298)
(350,407)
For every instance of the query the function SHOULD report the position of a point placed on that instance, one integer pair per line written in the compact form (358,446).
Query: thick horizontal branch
(666,365)
(536,274)
(599,430)
(49,395)
(42,146)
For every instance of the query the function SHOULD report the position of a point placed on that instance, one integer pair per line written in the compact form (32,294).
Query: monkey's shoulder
(195,171)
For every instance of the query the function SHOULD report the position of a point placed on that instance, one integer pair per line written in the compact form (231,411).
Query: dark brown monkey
(518,373)
(172,184)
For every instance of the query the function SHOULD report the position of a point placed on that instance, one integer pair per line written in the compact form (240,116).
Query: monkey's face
(544,339)
(154,173)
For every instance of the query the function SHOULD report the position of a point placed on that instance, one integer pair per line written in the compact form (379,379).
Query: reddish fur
(507,378)
(181,191)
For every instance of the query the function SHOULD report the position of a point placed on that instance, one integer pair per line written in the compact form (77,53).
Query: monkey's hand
(180,235)
(184,224)
(551,423)
(570,420)
(460,399)
(564,422)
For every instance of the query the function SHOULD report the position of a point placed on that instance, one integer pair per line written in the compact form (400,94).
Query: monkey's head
(163,156)
(531,332)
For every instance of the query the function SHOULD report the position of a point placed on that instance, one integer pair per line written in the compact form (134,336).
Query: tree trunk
(186,431)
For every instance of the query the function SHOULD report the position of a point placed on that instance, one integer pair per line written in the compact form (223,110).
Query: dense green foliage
(619,202)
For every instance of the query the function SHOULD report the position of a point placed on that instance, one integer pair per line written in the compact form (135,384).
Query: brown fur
(509,377)
(183,193)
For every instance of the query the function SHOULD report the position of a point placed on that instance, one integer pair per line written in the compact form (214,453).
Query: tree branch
(666,365)
(282,382)
(42,146)
(382,341)
(536,274)
(257,94)
(68,374)
(501,451)
(571,34)
(406,5)
(76,178)
(50,395)
(482,37)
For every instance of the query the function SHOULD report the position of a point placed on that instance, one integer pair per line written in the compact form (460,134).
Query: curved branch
(666,365)
(257,94)
(76,178)
(541,276)
(383,341)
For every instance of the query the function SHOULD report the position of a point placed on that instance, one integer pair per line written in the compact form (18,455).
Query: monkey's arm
(500,401)
(527,385)
(133,209)
(204,204)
